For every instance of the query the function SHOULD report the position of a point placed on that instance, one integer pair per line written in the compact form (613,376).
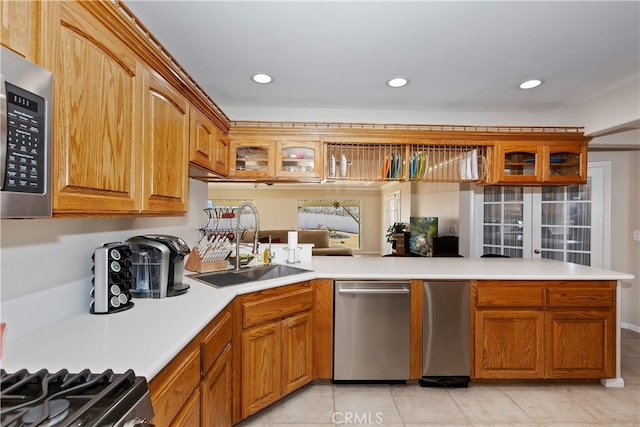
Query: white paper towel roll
(292,243)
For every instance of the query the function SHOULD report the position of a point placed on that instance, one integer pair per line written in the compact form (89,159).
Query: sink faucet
(256,239)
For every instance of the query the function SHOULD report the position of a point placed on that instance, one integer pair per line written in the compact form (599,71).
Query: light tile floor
(512,405)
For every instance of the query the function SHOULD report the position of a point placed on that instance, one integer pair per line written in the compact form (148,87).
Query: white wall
(440,200)
(605,111)
(40,254)
(625,218)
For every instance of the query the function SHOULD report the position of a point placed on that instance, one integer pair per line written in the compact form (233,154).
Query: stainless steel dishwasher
(371,331)
(445,334)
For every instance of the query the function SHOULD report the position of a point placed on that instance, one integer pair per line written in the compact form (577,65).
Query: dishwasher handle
(370,291)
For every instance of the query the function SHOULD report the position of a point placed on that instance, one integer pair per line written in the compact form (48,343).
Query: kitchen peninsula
(148,336)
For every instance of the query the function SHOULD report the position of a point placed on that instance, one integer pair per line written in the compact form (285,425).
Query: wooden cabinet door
(172,388)
(221,164)
(252,159)
(96,97)
(261,367)
(166,147)
(189,415)
(509,344)
(518,163)
(297,352)
(565,164)
(580,344)
(202,140)
(298,159)
(20,22)
(217,392)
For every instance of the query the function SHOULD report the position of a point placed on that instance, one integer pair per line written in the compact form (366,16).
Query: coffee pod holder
(112,279)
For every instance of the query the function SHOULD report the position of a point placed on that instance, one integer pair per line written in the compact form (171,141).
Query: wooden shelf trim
(399,126)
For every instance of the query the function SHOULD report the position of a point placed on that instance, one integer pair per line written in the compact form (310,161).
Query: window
(340,217)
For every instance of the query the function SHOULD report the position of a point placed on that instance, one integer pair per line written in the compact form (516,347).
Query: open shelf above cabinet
(444,161)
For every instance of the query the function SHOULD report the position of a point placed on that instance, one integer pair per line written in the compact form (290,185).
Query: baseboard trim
(612,382)
(634,328)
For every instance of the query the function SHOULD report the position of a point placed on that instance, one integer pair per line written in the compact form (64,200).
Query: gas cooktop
(82,399)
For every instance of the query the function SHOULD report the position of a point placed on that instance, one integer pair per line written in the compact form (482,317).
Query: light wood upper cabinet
(20,22)
(96,100)
(202,140)
(121,110)
(165,147)
(209,146)
(222,149)
(298,159)
(252,158)
(565,164)
(539,162)
(275,154)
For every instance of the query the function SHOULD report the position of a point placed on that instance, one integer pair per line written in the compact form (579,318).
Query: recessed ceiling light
(262,78)
(398,82)
(530,84)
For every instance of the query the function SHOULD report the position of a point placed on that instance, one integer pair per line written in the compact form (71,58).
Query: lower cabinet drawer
(586,298)
(273,304)
(173,386)
(510,296)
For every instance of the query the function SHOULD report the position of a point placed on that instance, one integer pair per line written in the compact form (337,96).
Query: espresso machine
(157,265)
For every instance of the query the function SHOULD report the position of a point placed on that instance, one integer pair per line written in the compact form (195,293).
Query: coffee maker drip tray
(172,291)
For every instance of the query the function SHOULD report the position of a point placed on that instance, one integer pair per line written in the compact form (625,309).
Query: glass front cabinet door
(298,159)
(537,162)
(565,164)
(518,163)
(252,159)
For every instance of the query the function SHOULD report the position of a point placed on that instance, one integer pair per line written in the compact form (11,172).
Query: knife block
(195,263)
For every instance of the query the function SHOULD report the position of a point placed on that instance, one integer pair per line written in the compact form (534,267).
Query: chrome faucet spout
(256,216)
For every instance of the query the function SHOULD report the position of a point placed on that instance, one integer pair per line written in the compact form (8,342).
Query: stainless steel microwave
(25,137)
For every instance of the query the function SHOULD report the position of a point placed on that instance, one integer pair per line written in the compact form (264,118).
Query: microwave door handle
(3,130)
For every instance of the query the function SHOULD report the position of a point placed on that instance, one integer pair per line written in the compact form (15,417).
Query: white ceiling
(459,56)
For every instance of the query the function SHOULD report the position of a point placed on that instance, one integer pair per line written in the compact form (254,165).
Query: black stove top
(65,400)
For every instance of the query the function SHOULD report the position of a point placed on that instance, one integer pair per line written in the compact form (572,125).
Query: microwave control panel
(25,169)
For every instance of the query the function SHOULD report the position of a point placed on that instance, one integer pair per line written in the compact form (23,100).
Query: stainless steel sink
(221,279)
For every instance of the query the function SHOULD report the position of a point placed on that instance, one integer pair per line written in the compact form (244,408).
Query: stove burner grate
(64,399)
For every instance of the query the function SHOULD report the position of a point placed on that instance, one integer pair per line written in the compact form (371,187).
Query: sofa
(319,238)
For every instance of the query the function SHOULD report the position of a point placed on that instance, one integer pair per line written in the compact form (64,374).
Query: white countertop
(146,337)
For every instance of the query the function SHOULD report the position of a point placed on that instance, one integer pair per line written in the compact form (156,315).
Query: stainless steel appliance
(83,399)
(371,331)
(160,259)
(445,334)
(26,91)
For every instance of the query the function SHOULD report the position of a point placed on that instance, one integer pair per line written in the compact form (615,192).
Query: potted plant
(395,228)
